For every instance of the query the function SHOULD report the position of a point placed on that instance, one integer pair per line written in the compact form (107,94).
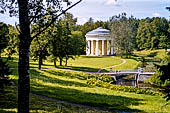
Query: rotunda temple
(99,43)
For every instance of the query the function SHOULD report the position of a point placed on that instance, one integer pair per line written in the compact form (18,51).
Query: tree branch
(17,28)
(54,19)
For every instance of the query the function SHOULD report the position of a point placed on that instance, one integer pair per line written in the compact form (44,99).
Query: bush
(99,83)
(4,71)
(155,79)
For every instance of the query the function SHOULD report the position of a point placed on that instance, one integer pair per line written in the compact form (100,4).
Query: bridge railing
(127,70)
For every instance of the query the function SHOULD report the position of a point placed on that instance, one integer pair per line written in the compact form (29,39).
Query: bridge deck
(126,73)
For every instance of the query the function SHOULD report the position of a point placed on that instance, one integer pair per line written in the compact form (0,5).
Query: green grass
(160,53)
(93,64)
(85,63)
(71,86)
(8,104)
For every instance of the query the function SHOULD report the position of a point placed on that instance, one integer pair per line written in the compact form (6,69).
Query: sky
(104,9)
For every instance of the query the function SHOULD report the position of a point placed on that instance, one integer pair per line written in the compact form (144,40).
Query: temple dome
(99,31)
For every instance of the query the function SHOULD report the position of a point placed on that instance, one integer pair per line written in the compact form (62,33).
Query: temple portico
(99,43)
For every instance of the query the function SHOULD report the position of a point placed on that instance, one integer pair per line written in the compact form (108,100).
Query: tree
(4,36)
(76,45)
(65,43)
(134,23)
(78,42)
(40,45)
(144,35)
(12,46)
(122,34)
(153,33)
(30,11)
(88,26)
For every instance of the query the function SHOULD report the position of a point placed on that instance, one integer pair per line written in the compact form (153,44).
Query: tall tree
(4,36)
(153,33)
(13,41)
(65,43)
(30,11)
(40,45)
(122,34)
(144,35)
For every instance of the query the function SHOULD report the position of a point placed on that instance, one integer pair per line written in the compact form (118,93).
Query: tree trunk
(55,63)
(66,61)
(40,60)
(24,80)
(61,60)
(24,52)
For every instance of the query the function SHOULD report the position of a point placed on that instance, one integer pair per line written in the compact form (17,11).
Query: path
(124,61)
(71,103)
(99,109)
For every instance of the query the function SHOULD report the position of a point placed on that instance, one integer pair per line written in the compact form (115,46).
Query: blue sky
(103,9)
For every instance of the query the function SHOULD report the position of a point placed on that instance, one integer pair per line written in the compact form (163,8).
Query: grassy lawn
(71,86)
(151,57)
(8,104)
(151,54)
(85,63)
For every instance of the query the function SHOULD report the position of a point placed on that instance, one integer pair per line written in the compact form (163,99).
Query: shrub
(4,71)
(99,83)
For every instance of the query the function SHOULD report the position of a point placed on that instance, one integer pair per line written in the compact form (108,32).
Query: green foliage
(100,79)
(4,69)
(4,36)
(65,43)
(91,25)
(99,83)
(161,77)
(13,41)
(39,44)
(153,34)
(123,31)
(4,72)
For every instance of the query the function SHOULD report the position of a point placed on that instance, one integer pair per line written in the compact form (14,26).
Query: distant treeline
(128,34)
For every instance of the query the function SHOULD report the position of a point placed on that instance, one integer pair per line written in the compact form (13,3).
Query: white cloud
(81,21)
(113,2)
(156,14)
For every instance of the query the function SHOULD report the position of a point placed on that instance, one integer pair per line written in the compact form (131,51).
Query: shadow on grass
(110,102)
(93,56)
(86,69)
(55,80)
(67,74)
(8,100)
(35,64)
(148,58)
(83,96)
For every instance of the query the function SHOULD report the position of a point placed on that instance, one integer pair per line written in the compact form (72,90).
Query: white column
(88,48)
(112,49)
(97,48)
(108,47)
(92,53)
(102,47)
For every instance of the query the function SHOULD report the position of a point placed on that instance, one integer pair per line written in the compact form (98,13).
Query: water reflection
(125,81)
